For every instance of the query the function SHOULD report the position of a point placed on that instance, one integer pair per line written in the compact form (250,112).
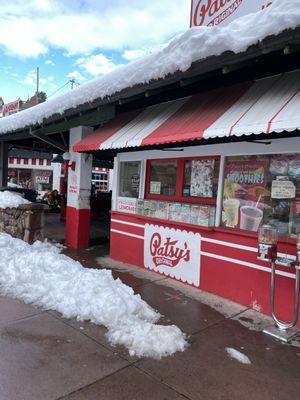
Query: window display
(262,189)
(163,178)
(129,179)
(179,212)
(201,178)
(183,180)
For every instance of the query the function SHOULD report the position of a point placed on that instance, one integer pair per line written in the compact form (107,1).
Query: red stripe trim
(96,138)
(196,115)
(252,105)
(279,111)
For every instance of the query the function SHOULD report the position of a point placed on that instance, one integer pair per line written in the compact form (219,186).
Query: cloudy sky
(79,39)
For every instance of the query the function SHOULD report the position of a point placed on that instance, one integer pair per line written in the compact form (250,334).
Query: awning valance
(264,106)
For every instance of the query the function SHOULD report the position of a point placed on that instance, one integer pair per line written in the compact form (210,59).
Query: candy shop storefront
(196,179)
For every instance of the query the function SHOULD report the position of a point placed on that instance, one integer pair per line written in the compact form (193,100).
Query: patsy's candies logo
(167,252)
(215,12)
(209,9)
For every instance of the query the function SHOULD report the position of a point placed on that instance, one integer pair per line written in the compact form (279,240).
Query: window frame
(119,178)
(179,182)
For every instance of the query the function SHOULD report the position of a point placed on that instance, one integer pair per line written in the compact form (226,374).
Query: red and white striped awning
(263,106)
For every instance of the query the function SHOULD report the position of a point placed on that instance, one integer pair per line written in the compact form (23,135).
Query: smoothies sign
(244,192)
(173,252)
(215,12)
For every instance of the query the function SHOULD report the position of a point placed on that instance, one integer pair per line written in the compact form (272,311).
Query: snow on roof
(195,44)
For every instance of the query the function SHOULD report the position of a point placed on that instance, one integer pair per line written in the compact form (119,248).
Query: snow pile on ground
(11,200)
(237,355)
(195,44)
(39,274)
(14,185)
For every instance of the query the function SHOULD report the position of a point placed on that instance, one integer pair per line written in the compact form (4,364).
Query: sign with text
(173,253)
(127,205)
(11,108)
(216,12)
(283,190)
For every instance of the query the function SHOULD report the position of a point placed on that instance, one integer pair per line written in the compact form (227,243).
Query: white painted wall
(266,146)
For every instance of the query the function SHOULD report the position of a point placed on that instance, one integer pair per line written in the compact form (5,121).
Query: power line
(57,90)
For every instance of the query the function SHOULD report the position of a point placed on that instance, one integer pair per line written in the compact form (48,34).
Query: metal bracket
(47,140)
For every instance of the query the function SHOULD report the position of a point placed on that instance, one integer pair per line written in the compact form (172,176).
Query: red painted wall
(77,228)
(226,270)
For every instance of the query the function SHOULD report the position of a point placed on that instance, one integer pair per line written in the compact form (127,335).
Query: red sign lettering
(167,253)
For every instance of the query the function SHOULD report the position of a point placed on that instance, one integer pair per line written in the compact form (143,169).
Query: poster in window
(155,187)
(244,193)
(135,182)
(202,173)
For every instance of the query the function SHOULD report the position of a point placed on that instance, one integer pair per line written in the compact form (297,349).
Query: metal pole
(281,324)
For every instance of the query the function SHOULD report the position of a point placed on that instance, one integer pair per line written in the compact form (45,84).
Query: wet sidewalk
(46,357)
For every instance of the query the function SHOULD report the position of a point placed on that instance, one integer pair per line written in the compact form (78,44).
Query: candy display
(294,168)
(140,206)
(147,207)
(267,234)
(185,213)
(278,166)
(200,215)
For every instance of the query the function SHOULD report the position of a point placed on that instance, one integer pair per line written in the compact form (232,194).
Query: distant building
(11,108)
(1,106)
(19,105)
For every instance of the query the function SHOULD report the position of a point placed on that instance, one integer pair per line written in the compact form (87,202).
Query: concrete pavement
(46,357)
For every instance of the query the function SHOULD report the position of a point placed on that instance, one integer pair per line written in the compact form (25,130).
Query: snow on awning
(264,106)
(194,45)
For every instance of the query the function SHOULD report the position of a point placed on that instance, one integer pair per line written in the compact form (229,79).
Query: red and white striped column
(79,192)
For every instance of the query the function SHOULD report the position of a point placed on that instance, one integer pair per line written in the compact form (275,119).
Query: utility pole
(37,84)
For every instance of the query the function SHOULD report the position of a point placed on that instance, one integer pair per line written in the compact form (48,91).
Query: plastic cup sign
(231,209)
(251,218)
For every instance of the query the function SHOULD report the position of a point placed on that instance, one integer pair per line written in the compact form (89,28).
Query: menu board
(202,173)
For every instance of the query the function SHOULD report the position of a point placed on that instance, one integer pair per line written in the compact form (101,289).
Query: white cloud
(46,83)
(49,62)
(97,64)
(89,25)
(76,75)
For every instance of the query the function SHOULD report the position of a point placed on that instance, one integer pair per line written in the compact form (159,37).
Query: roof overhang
(256,62)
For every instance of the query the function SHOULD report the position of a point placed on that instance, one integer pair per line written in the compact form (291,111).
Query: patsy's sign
(173,252)
(215,12)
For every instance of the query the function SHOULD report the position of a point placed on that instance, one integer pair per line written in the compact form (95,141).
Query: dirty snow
(11,200)
(237,355)
(195,44)
(40,275)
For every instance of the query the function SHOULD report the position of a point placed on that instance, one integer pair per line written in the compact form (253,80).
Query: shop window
(262,189)
(129,179)
(201,178)
(163,178)
(181,190)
